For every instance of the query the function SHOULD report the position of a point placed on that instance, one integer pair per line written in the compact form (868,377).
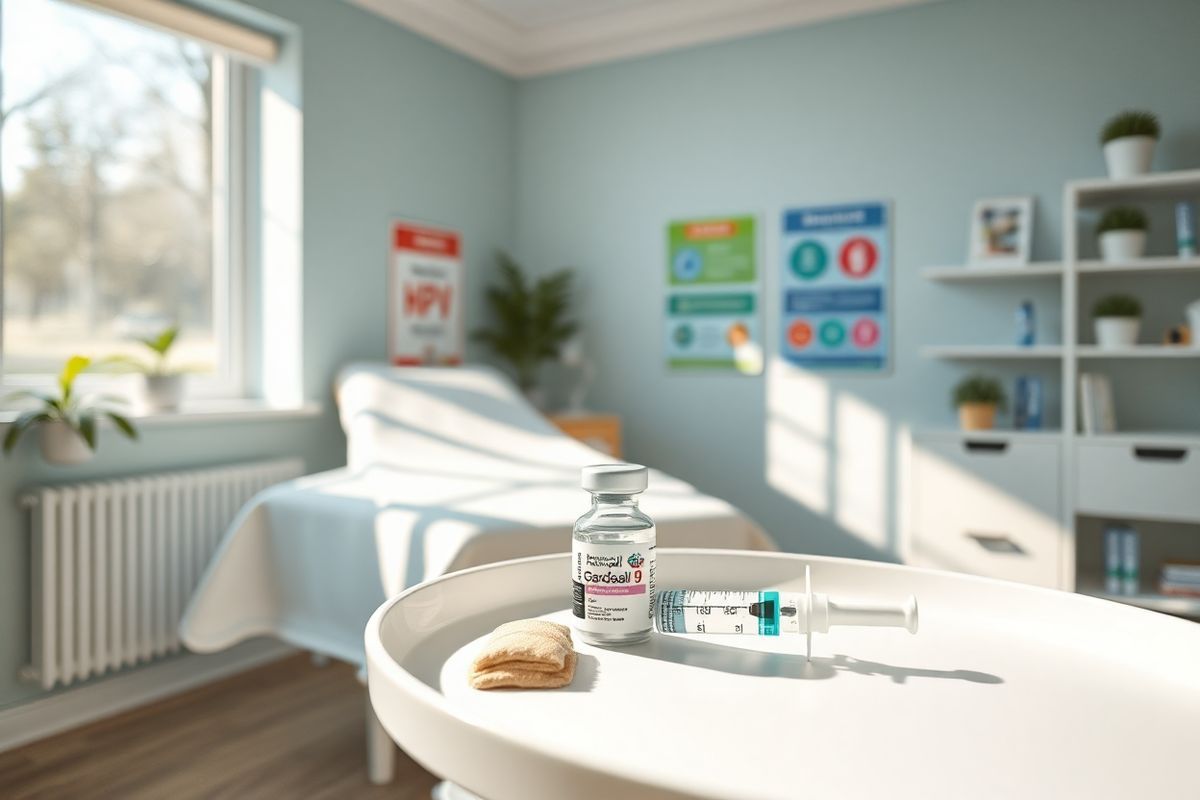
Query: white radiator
(114,562)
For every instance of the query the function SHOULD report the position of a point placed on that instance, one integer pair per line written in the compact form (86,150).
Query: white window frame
(230,227)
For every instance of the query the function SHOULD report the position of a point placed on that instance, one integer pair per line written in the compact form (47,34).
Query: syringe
(774,613)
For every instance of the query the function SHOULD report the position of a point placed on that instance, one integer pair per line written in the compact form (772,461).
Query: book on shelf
(1179,589)
(1098,412)
(1181,571)
(1180,578)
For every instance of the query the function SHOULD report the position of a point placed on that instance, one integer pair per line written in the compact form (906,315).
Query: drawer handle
(977,446)
(1160,453)
(997,543)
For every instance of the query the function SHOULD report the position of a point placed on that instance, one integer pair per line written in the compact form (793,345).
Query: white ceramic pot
(162,392)
(1117,332)
(62,445)
(1121,246)
(1129,156)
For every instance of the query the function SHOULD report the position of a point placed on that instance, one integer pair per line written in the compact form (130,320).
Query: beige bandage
(525,654)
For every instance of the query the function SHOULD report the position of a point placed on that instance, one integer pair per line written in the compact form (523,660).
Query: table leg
(381,752)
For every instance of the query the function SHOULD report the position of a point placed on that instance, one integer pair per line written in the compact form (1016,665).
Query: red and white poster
(425,312)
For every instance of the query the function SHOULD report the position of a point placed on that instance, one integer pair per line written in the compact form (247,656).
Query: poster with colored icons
(835,277)
(713,296)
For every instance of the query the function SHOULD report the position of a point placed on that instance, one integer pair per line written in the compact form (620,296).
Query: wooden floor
(286,730)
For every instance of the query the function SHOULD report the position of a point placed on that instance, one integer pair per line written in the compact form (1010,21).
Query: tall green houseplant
(530,320)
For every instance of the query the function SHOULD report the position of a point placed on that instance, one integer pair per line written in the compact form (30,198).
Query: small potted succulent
(1122,234)
(162,385)
(978,398)
(1118,318)
(1128,140)
(66,418)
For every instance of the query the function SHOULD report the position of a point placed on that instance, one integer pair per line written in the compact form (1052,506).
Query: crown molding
(459,25)
(520,52)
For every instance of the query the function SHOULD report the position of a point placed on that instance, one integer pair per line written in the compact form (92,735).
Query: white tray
(1006,691)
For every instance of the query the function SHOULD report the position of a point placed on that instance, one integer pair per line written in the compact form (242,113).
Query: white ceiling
(539,13)
(535,37)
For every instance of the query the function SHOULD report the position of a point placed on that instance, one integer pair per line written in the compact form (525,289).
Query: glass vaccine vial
(612,559)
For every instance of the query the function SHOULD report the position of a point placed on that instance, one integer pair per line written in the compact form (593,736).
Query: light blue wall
(930,107)
(393,125)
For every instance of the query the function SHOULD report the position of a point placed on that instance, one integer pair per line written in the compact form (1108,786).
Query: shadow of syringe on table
(709,654)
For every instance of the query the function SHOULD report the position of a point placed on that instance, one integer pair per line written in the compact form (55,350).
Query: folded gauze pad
(525,654)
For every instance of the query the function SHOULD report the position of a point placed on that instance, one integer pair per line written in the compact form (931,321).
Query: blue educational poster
(837,265)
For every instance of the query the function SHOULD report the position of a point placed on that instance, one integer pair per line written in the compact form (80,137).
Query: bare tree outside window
(106,158)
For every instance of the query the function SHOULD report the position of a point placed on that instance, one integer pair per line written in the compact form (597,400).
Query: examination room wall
(930,107)
(394,125)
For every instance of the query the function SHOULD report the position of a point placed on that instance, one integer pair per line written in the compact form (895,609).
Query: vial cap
(615,478)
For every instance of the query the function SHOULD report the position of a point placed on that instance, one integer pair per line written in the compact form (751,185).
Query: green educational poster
(713,303)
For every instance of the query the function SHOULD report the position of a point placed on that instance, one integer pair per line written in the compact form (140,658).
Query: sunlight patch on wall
(861,463)
(797,436)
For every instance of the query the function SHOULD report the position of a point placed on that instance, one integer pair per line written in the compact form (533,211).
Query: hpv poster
(712,304)
(424,287)
(835,276)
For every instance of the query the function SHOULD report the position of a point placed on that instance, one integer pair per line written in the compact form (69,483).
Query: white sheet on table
(448,468)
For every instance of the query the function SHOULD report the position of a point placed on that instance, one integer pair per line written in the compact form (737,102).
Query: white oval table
(1006,691)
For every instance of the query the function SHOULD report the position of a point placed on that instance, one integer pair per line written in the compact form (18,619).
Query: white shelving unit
(1142,266)
(1140,351)
(1144,438)
(1176,185)
(992,351)
(998,435)
(961,274)
(993,468)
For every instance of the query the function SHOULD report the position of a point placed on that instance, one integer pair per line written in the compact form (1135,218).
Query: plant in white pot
(1118,317)
(1128,140)
(162,385)
(67,419)
(530,322)
(1122,234)
(977,399)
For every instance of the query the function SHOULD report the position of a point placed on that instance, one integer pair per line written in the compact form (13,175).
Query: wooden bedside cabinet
(599,431)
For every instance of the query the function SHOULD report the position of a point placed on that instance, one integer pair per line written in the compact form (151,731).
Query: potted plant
(1128,140)
(1118,318)
(67,419)
(530,323)
(1122,233)
(977,399)
(162,386)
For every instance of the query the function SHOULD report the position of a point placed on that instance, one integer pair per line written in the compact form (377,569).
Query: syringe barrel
(772,613)
(762,613)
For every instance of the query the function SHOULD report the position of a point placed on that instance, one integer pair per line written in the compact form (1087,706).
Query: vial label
(612,587)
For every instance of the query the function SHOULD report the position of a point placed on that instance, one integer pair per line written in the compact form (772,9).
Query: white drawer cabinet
(1127,479)
(988,506)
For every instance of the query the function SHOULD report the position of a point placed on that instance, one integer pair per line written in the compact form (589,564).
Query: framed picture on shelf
(1001,232)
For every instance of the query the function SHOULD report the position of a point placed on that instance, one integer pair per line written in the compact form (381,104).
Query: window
(115,149)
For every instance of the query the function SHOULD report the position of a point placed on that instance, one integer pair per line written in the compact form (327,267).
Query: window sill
(204,412)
